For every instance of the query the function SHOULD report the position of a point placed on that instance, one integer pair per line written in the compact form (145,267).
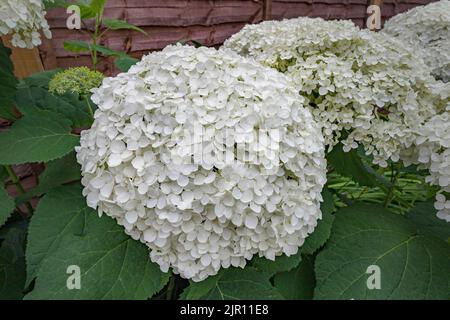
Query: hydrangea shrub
(200,162)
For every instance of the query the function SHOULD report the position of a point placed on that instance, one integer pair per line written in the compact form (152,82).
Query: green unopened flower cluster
(75,80)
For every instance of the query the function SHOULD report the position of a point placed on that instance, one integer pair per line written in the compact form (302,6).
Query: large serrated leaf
(323,230)
(6,205)
(37,139)
(40,79)
(64,232)
(412,266)
(56,173)
(32,99)
(297,284)
(12,261)
(60,213)
(423,215)
(234,284)
(280,264)
(8,83)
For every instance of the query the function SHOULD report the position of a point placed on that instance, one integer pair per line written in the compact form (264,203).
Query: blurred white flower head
(25,20)
(363,88)
(427,30)
(198,216)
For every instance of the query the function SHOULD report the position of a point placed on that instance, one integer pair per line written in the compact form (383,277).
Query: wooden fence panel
(207,21)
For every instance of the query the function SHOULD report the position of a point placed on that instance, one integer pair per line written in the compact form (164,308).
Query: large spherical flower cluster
(200,214)
(24,19)
(427,30)
(362,87)
(78,80)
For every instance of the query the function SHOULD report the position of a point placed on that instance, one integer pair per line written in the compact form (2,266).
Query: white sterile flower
(24,19)
(443,207)
(154,159)
(427,30)
(361,86)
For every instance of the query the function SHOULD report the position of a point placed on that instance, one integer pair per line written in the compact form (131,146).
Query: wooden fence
(207,21)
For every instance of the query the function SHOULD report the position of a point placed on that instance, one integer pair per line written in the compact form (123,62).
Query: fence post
(26,61)
(267,9)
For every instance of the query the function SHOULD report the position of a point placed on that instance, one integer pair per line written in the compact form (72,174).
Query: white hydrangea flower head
(427,30)
(431,151)
(205,214)
(24,19)
(361,86)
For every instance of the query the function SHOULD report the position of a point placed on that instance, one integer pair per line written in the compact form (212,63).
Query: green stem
(363,191)
(95,38)
(16,181)
(391,189)
(86,98)
(170,288)
(94,49)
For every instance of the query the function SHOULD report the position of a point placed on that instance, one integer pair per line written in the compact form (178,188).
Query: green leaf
(77,46)
(37,139)
(3,175)
(280,264)
(299,283)
(97,5)
(56,173)
(196,290)
(349,164)
(82,46)
(8,83)
(31,100)
(6,205)
(56,4)
(124,63)
(234,284)
(60,213)
(90,8)
(115,24)
(412,266)
(40,79)
(65,232)
(107,51)
(322,231)
(12,261)
(423,215)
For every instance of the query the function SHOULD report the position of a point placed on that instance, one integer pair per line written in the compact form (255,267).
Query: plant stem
(390,193)
(15,179)
(364,190)
(170,287)
(95,38)
(94,41)
(89,106)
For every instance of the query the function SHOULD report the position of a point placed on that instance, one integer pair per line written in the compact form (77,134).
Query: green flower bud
(75,80)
